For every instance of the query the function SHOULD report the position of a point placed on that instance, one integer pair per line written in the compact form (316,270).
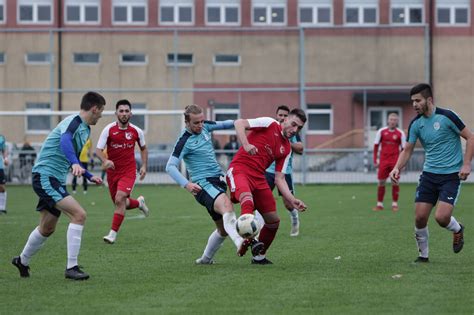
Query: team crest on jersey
(128,135)
(436,125)
(395,137)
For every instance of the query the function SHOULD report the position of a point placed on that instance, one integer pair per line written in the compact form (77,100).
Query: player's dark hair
(91,99)
(123,102)
(423,88)
(283,107)
(298,112)
(191,109)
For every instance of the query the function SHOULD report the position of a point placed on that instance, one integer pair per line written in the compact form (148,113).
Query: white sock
(213,244)
(379,204)
(294,216)
(453,225)
(421,236)
(74,235)
(3,200)
(33,244)
(259,218)
(229,226)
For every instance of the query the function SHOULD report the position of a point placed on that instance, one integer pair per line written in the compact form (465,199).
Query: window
(269,12)
(361,12)
(2,11)
(452,12)
(226,60)
(133,59)
(2,58)
(221,12)
(38,58)
(86,58)
(139,120)
(82,12)
(176,12)
(38,123)
(320,120)
(407,13)
(129,12)
(35,11)
(315,12)
(223,111)
(180,59)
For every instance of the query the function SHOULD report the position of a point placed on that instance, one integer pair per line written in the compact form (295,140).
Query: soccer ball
(247,226)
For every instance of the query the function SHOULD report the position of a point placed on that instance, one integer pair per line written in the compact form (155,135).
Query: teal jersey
(198,153)
(439,136)
(3,147)
(289,169)
(51,160)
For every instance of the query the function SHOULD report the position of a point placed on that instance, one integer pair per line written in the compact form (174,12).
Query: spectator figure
(232,145)
(27,155)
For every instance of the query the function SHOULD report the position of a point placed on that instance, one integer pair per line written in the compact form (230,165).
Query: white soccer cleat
(142,206)
(204,261)
(110,238)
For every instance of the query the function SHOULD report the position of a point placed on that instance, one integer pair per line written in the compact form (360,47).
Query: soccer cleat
(142,206)
(295,229)
(394,207)
(422,260)
(256,246)
(24,270)
(458,240)
(377,208)
(3,211)
(110,238)
(75,273)
(263,261)
(204,261)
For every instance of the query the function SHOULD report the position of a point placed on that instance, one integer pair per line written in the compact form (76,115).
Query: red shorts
(385,169)
(240,182)
(122,182)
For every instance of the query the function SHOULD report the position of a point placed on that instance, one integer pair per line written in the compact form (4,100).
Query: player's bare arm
(280,182)
(297,147)
(466,167)
(144,155)
(240,126)
(106,163)
(401,162)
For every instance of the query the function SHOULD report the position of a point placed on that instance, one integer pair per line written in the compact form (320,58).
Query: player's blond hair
(393,115)
(191,109)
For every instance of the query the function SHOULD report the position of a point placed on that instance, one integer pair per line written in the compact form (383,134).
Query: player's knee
(2,188)
(80,217)
(421,222)
(443,220)
(222,231)
(46,231)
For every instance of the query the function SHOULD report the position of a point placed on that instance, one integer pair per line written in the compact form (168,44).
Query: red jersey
(121,145)
(266,135)
(391,142)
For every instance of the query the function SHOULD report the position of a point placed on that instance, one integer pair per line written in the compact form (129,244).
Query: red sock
(246,203)
(132,203)
(395,192)
(380,193)
(267,234)
(117,221)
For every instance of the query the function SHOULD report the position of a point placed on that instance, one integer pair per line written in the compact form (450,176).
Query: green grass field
(347,260)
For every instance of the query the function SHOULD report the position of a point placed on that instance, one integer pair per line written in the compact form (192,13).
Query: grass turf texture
(151,267)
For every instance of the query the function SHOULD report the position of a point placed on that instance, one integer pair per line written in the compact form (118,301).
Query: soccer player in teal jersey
(296,147)
(3,180)
(207,182)
(59,153)
(439,132)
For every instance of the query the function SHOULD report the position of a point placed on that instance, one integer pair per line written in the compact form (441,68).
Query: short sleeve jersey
(51,160)
(198,153)
(120,144)
(2,149)
(439,136)
(289,169)
(266,135)
(391,142)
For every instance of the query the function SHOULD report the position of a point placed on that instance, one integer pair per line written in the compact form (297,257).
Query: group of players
(269,141)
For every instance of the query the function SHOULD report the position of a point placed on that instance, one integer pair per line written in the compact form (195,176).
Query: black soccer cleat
(24,270)
(257,247)
(458,240)
(422,260)
(263,261)
(75,273)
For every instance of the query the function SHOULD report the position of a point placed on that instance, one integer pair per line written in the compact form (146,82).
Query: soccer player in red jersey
(268,141)
(119,139)
(391,141)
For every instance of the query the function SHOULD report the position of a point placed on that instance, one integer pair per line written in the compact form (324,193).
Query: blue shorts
(212,187)
(3,179)
(271,182)
(50,192)
(433,187)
